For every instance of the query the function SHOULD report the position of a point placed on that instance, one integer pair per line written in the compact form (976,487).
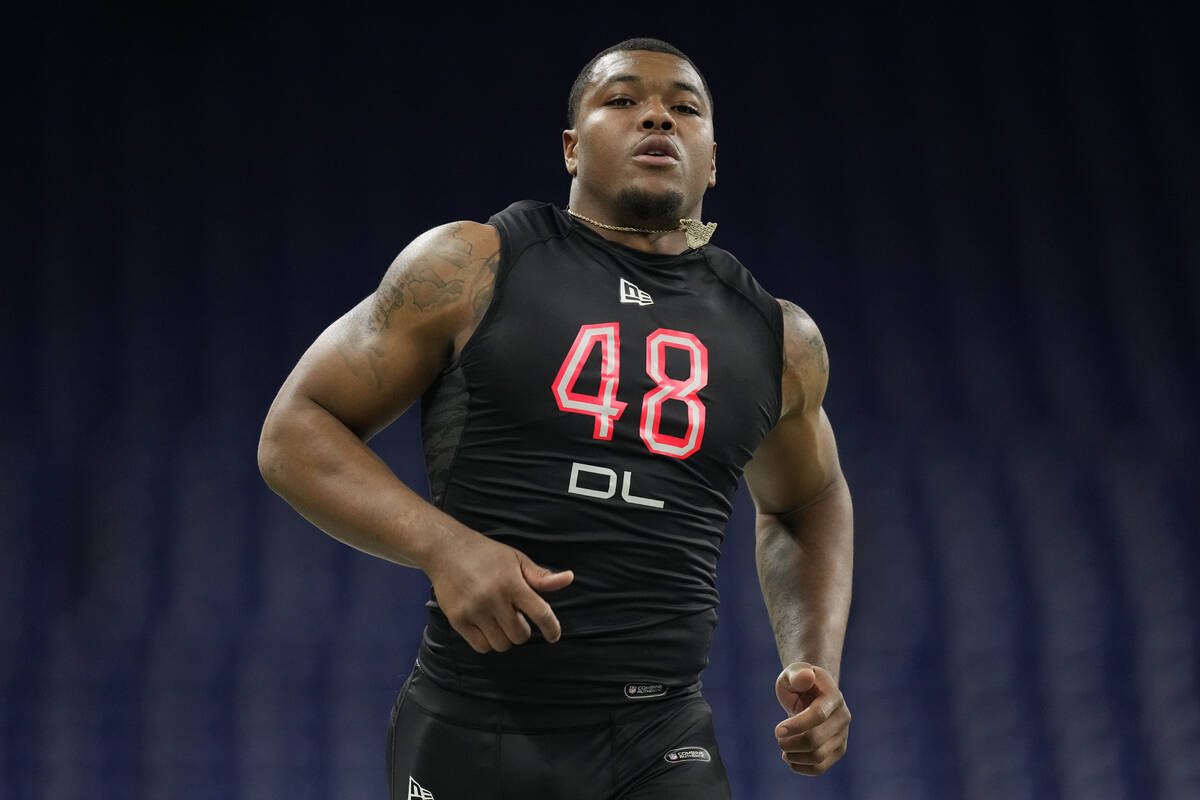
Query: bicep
(366,376)
(797,462)
(374,362)
(795,465)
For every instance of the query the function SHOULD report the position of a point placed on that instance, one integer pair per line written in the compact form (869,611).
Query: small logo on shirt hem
(641,691)
(680,754)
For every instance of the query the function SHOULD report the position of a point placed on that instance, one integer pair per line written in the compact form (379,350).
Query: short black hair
(653,45)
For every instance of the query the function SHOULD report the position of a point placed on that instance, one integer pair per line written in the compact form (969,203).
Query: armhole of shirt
(509,256)
(502,269)
(772,318)
(780,357)
(444,405)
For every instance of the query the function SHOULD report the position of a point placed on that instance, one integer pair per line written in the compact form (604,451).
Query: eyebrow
(682,85)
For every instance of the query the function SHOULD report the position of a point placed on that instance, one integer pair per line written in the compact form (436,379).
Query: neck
(668,242)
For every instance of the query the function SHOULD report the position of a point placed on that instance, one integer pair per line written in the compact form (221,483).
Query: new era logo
(417,792)
(632,294)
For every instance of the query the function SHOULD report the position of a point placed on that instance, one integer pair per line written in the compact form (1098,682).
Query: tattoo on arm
(443,274)
(818,346)
(434,280)
(481,293)
(798,320)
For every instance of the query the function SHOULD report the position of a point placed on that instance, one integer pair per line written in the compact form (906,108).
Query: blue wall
(992,217)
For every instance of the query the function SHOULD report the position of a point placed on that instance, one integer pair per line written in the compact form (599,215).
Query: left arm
(805,553)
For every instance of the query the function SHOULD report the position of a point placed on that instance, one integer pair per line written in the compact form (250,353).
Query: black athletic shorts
(442,745)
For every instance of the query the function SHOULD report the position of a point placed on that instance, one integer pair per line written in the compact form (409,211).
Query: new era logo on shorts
(681,754)
(418,792)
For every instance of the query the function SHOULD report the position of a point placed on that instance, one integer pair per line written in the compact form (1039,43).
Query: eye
(619,101)
(687,109)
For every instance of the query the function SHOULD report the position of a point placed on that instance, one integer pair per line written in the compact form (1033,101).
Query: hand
(489,593)
(815,734)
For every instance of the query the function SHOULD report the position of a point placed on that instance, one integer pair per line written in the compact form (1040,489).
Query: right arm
(359,375)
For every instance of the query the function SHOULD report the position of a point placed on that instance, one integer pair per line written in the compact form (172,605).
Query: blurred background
(992,215)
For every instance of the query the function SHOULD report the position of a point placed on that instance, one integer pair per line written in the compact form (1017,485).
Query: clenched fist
(815,734)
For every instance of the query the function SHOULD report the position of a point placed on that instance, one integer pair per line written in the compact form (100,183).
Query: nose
(657,116)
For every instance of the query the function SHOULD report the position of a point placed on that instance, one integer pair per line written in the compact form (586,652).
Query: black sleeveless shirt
(598,420)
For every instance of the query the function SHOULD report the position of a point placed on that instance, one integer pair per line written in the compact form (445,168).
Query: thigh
(671,752)
(432,759)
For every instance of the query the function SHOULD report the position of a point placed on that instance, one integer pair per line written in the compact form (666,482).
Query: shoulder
(446,272)
(455,245)
(531,219)
(805,361)
(737,278)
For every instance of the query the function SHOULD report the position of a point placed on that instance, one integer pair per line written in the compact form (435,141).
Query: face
(644,129)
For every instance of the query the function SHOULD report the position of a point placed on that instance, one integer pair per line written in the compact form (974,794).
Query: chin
(644,204)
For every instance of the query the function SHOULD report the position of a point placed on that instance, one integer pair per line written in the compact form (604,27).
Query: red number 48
(604,406)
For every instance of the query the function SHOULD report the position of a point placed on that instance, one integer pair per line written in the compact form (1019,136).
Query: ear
(570,148)
(712,175)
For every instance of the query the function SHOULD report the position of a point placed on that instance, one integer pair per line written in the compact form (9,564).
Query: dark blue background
(991,214)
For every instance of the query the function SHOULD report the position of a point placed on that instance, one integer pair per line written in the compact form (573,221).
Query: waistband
(660,661)
(511,717)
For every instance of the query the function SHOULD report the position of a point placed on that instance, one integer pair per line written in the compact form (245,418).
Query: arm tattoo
(438,276)
(481,293)
(803,326)
(431,281)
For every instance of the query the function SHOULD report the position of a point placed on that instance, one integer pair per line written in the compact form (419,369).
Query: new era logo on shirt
(632,294)
(417,792)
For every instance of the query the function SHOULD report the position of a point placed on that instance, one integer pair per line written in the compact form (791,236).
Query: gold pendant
(697,232)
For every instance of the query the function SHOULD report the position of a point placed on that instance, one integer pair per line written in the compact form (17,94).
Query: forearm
(805,561)
(330,476)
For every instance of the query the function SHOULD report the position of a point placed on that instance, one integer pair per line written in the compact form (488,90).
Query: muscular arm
(362,373)
(804,542)
(805,553)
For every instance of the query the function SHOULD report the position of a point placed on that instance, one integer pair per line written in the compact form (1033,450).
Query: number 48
(604,406)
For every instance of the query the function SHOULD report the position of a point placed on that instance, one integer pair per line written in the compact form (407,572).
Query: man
(593,381)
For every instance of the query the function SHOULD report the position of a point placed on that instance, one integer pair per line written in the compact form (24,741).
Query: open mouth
(656,148)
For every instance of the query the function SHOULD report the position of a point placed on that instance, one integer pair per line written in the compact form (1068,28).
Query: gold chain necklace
(697,232)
